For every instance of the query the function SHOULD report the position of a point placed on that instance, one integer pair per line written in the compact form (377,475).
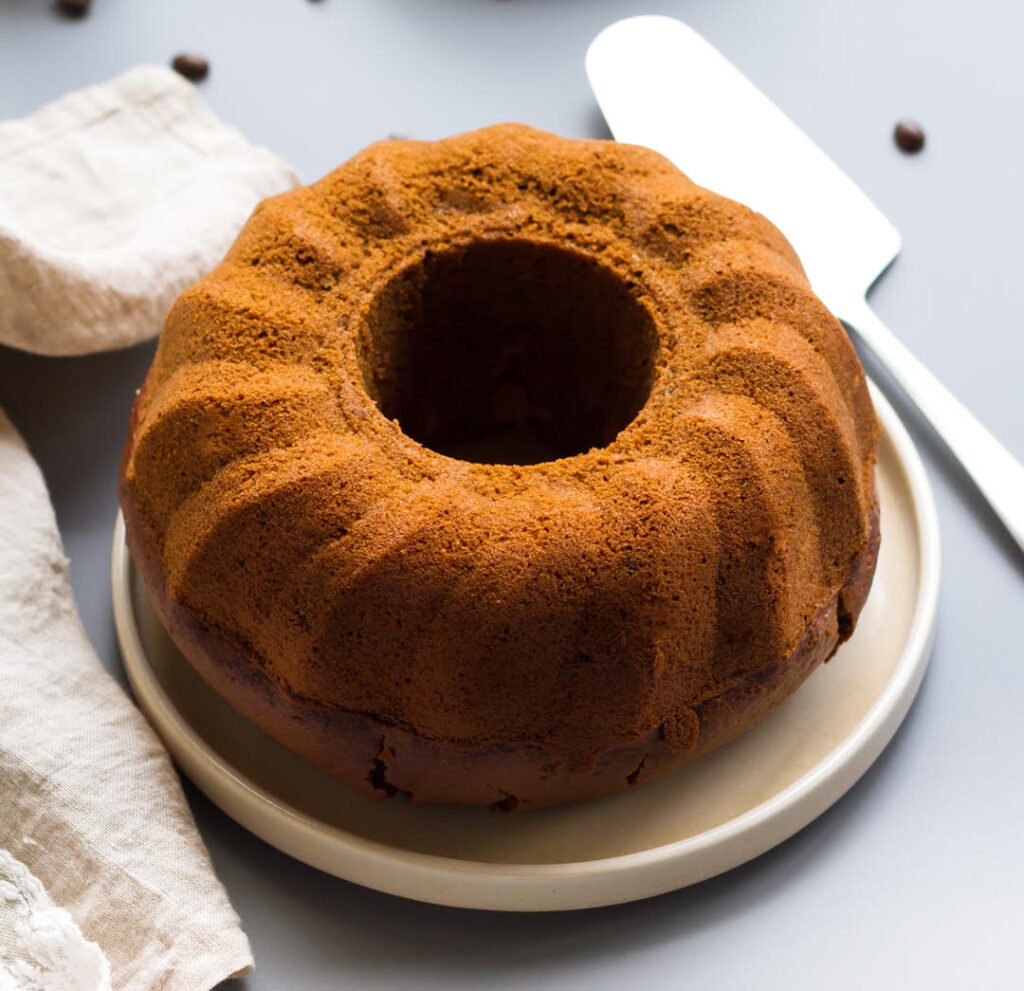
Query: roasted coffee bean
(191,66)
(909,136)
(73,8)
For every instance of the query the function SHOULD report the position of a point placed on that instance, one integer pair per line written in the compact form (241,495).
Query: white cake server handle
(996,472)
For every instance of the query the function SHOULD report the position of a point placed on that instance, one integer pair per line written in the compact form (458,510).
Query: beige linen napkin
(111,201)
(47,949)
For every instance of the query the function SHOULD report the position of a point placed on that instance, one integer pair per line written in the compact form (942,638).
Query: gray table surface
(914,879)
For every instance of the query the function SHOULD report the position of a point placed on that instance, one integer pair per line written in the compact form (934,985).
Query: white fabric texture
(111,200)
(41,948)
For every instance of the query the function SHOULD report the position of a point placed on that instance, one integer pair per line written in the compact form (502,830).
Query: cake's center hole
(508,352)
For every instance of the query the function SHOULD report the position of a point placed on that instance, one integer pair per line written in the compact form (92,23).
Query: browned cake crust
(688,532)
(384,760)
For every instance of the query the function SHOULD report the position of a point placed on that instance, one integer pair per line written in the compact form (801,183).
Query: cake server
(660,84)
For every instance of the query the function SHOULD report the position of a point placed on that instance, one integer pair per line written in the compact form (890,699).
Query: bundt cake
(504,469)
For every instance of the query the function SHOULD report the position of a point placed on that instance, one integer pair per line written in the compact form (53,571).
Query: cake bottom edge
(385,760)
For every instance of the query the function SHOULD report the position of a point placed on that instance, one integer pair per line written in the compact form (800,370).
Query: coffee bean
(73,8)
(909,136)
(191,66)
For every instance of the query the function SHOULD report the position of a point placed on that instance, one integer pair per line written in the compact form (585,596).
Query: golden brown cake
(504,469)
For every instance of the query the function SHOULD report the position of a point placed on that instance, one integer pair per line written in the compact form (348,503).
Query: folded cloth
(41,948)
(111,200)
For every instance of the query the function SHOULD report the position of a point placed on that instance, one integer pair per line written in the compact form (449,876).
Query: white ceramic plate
(693,824)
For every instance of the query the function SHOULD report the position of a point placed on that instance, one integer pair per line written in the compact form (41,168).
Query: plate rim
(569,885)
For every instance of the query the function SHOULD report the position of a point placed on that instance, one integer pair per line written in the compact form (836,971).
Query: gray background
(915,878)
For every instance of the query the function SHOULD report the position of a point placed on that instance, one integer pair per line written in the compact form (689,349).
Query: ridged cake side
(508,634)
